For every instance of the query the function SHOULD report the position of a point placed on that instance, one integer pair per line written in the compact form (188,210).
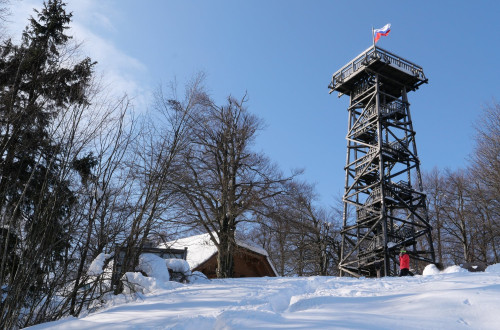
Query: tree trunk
(225,257)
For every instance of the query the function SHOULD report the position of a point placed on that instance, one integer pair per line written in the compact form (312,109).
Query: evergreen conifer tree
(37,84)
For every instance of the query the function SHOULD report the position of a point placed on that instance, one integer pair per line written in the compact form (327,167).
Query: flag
(377,33)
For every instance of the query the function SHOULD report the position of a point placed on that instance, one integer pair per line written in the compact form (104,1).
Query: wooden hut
(249,260)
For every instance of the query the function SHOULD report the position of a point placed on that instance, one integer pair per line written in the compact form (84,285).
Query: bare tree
(465,227)
(275,233)
(163,136)
(435,188)
(222,179)
(316,238)
(301,237)
(458,216)
(485,174)
(487,223)
(99,144)
(486,156)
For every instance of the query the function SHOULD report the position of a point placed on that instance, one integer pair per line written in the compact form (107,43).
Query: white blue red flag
(377,33)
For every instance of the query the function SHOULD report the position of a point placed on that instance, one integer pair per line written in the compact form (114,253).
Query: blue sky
(283,53)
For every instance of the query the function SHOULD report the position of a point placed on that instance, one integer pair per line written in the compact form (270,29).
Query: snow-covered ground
(455,299)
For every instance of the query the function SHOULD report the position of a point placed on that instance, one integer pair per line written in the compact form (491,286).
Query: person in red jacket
(404,263)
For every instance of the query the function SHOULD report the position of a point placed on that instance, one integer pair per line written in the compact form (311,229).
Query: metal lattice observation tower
(384,210)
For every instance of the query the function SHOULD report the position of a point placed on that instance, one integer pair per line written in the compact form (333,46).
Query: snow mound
(136,282)
(198,278)
(493,268)
(154,266)
(454,269)
(97,265)
(178,265)
(430,269)
(433,270)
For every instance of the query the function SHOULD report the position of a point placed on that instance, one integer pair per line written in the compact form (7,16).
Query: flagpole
(373,38)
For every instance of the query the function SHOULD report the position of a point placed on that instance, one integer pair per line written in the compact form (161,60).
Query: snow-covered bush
(97,266)
(156,271)
(94,286)
(154,266)
(180,269)
(153,274)
(136,282)
(178,265)
(197,278)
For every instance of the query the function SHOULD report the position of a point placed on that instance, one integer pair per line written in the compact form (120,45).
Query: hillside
(453,299)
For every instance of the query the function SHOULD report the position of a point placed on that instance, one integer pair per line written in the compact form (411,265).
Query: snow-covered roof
(201,248)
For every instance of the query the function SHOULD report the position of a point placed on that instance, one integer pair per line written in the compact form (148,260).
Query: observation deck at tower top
(394,72)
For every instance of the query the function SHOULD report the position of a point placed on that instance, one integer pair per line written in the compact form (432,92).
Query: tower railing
(393,109)
(370,56)
(366,161)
